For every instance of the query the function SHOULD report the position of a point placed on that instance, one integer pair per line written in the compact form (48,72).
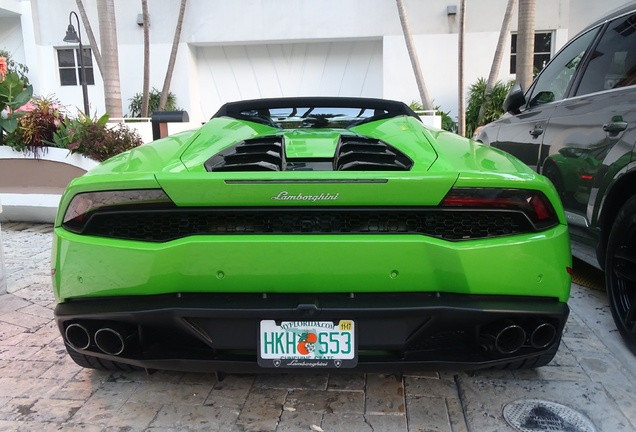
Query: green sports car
(311,233)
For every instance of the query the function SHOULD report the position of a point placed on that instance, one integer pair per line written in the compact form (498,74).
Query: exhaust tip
(77,336)
(109,341)
(542,336)
(510,339)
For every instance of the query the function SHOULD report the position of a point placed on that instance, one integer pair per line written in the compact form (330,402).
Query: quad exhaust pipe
(542,335)
(507,337)
(77,336)
(111,339)
(504,337)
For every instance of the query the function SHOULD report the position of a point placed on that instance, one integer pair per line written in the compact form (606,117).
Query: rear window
(313,117)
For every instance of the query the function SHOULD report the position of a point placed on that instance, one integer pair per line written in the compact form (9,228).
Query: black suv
(576,125)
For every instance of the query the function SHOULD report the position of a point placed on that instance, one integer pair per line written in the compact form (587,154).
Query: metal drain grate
(533,415)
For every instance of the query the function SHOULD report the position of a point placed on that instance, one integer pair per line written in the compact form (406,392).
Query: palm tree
(426,100)
(91,36)
(525,42)
(110,57)
(173,57)
(461,108)
(496,62)
(146,82)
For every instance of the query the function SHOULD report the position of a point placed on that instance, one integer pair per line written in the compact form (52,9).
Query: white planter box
(30,188)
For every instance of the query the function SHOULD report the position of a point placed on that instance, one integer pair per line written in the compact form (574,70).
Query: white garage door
(343,68)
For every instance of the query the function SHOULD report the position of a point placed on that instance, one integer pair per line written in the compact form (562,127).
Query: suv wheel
(620,272)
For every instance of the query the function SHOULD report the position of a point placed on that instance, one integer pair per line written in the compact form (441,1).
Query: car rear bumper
(401,331)
(533,265)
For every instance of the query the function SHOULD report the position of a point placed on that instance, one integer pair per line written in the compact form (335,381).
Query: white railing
(430,118)
(143,126)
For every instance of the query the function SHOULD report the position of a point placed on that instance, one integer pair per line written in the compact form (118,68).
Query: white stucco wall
(11,37)
(583,13)
(221,56)
(338,68)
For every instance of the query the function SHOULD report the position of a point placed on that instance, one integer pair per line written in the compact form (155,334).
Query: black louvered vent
(366,154)
(353,153)
(259,154)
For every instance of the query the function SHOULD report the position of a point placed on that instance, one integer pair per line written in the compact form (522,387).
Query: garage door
(343,68)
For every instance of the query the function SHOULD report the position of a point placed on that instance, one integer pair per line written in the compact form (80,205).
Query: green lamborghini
(311,233)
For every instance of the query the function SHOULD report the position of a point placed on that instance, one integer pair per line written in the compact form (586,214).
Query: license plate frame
(333,344)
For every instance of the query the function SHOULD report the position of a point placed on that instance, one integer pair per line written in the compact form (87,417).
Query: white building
(269,48)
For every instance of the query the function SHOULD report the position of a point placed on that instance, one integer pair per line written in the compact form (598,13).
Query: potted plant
(14,93)
(44,149)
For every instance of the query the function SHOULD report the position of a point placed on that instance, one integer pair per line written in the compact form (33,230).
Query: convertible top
(391,108)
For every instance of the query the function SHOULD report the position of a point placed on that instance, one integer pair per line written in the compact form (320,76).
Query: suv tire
(620,272)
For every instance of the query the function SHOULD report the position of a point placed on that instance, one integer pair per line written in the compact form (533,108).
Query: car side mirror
(514,100)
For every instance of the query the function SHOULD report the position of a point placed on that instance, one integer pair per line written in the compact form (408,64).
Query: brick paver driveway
(41,389)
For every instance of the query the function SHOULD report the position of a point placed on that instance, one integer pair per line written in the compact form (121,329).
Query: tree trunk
(415,63)
(461,106)
(496,61)
(146,83)
(525,42)
(110,57)
(91,37)
(173,57)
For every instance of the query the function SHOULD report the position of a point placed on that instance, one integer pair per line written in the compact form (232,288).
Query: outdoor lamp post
(76,37)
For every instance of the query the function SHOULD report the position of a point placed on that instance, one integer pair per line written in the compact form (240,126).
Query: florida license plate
(307,344)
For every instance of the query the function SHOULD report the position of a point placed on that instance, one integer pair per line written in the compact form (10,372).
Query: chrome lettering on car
(285,196)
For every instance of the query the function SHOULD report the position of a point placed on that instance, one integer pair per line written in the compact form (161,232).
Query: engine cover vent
(353,153)
(258,154)
(367,154)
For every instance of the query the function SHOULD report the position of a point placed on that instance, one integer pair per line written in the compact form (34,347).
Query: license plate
(307,344)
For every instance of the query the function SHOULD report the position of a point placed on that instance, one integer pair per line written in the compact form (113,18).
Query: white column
(31,52)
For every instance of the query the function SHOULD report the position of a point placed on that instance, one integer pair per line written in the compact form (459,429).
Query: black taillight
(534,204)
(84,204)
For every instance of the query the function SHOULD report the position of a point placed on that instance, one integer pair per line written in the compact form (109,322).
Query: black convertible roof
(392,108)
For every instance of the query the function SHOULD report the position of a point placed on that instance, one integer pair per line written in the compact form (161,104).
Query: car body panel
(523,135)
(162,156)
(325,263)
(434,245)
(585,153)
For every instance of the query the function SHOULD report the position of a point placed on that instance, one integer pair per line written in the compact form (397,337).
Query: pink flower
(26,107)
(3,67)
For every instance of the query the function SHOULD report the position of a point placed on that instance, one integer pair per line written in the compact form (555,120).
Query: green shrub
(153,103)
(37,125)
(93,138)
(492,103)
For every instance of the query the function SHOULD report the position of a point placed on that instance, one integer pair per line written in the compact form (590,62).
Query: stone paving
(41,389)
